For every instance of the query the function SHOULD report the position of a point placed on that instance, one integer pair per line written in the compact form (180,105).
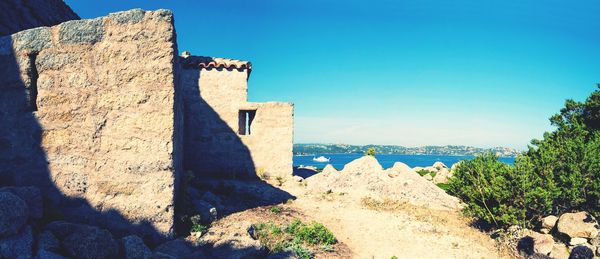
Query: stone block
(130,16)
(32,40)
(81,31)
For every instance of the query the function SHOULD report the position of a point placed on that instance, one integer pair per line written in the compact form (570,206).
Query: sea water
(339,160)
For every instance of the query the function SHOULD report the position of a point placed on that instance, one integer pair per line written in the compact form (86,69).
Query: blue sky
(481,73)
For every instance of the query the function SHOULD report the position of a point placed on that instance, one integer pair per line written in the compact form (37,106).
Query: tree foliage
(558,173)
(370,152)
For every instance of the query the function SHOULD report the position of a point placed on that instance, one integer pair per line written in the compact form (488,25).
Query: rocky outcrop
(366,176)
(563,237)
(18,15)
(329,169)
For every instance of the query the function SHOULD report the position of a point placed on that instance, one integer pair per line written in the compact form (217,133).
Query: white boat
(321,159)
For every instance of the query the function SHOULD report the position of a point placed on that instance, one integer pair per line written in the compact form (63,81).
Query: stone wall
(214,94)
(88,112)
(18,15)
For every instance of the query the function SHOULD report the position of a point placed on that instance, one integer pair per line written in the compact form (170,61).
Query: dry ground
(367,227)
(374,228)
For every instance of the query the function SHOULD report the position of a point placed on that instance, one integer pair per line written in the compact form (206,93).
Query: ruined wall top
(18,15)
(189,62)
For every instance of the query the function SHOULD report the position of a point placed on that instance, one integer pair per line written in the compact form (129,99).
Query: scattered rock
(577,241)
(133,247)
(297,178)
(17,246)
(13,214)
(31,196)
(177,248)
(91,242)
(548,223)
(329,169)
(48,242)
(559,251)
(542,243)
(581,252)
(579,224)
(207,211)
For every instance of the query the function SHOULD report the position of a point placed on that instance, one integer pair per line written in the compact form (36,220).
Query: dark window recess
(32,89)
(245,121)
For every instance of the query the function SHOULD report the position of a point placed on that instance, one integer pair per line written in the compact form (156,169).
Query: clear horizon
(481,74)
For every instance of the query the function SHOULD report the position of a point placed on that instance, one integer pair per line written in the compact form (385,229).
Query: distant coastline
(449,150)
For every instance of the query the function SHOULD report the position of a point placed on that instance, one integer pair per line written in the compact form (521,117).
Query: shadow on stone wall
(24,162)
(216,160)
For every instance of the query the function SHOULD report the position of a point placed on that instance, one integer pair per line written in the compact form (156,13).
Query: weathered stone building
(225,135)
(102,113)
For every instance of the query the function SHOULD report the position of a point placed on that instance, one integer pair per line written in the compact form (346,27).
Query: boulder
(401,168)
(548,223)
(133,247)
(579,224)
(297,178)
(439,165)
(177,248)
(581,252)
(559,251)
(207,211)
(43,254)
(542,243)
(13,214)
(578,241)
(31,196)
(363,165)
(61,229)
(441,176)
(48,242)
(329,169)
(17,246)
(91,242)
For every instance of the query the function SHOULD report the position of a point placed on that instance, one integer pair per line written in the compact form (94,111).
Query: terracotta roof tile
(210,62)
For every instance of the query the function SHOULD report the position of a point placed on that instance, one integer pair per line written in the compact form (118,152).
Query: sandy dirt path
(405,232)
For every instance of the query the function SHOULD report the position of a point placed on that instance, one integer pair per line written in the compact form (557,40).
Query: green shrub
(275,209)
(370,152)
(295,237)
(443,186)
(558,173)
(423,172)
(198,228)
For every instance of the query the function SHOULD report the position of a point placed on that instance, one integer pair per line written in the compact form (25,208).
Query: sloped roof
(211,62)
